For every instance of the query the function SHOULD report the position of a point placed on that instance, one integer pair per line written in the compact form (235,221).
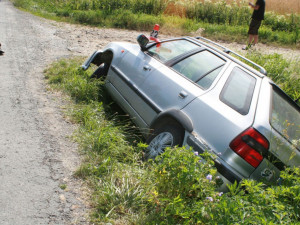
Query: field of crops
(284,6)
(219,20)
(279,6)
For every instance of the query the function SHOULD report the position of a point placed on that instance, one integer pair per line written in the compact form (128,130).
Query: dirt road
(36,156)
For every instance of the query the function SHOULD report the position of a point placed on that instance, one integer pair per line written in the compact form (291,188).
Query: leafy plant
(183,183)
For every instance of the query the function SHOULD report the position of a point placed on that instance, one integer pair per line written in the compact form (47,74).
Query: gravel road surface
(36,155)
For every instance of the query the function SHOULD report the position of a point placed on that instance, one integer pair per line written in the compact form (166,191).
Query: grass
(112,166)
(63,186)
(282,71)
(218,20)
(176,188)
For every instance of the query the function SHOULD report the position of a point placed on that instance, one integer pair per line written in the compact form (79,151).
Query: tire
(101,71)
(163,137)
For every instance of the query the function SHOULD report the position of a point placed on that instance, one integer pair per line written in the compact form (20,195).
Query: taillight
(251,145)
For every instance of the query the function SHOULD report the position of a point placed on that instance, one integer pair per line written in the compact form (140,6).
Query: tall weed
(282,71)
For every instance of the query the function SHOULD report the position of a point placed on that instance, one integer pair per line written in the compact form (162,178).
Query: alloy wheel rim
(159,143)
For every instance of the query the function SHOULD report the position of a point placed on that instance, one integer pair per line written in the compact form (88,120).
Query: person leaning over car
(257,16)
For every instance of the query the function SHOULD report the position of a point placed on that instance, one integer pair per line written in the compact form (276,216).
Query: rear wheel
(163,137)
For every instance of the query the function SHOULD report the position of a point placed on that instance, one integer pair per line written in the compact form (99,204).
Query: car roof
(262,73)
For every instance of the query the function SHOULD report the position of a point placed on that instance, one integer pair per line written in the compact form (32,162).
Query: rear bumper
(223,169)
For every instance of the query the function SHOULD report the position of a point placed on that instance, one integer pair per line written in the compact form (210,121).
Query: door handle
(183,94)
(146,68)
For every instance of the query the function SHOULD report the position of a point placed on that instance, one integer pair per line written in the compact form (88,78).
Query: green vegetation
(218,20)
(63,186)
(283,72)
(176,188)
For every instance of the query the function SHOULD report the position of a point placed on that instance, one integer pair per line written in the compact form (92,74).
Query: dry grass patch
(278,6)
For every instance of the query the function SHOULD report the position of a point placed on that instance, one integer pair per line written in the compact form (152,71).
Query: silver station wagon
(193,92)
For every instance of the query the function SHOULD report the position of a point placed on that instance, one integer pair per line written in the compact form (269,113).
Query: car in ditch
(194,92)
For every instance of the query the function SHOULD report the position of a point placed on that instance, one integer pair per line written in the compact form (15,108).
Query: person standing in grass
(1,52)
(257,16)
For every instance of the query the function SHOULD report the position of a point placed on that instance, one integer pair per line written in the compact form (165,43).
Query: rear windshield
(285,117)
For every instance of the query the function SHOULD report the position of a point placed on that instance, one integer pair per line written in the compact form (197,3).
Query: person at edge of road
(1,52)
(257,16)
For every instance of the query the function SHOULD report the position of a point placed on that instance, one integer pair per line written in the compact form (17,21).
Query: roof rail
(228,51)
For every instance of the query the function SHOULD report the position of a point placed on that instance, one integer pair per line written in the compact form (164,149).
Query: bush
(255,203)
(184,192)
(183,184)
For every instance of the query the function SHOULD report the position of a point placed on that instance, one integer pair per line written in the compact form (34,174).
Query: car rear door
(224,112)
(285,123)
(278,118)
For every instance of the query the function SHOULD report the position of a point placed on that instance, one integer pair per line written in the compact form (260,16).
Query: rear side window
(238,91)
(285,117)
(202,68)
(209,78)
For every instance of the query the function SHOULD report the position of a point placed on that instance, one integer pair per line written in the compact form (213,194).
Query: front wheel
(101,71)
(163,137)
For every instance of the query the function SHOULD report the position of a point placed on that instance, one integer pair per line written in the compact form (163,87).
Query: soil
(84,40)
(37,155)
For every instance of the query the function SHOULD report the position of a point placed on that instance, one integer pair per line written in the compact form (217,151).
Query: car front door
(137,68)
(177,83)
(128,75)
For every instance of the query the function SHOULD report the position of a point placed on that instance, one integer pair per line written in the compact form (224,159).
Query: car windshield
(285,118)
(166,51)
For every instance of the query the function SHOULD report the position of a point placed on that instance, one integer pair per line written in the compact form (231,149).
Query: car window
(201,68)
(238,91)
(207,80)
(166,51)
(285,117)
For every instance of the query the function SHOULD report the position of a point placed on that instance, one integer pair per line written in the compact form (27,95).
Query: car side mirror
(143,41)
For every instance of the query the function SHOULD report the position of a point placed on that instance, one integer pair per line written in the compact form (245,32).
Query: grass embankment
(180,17)
(176,190)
